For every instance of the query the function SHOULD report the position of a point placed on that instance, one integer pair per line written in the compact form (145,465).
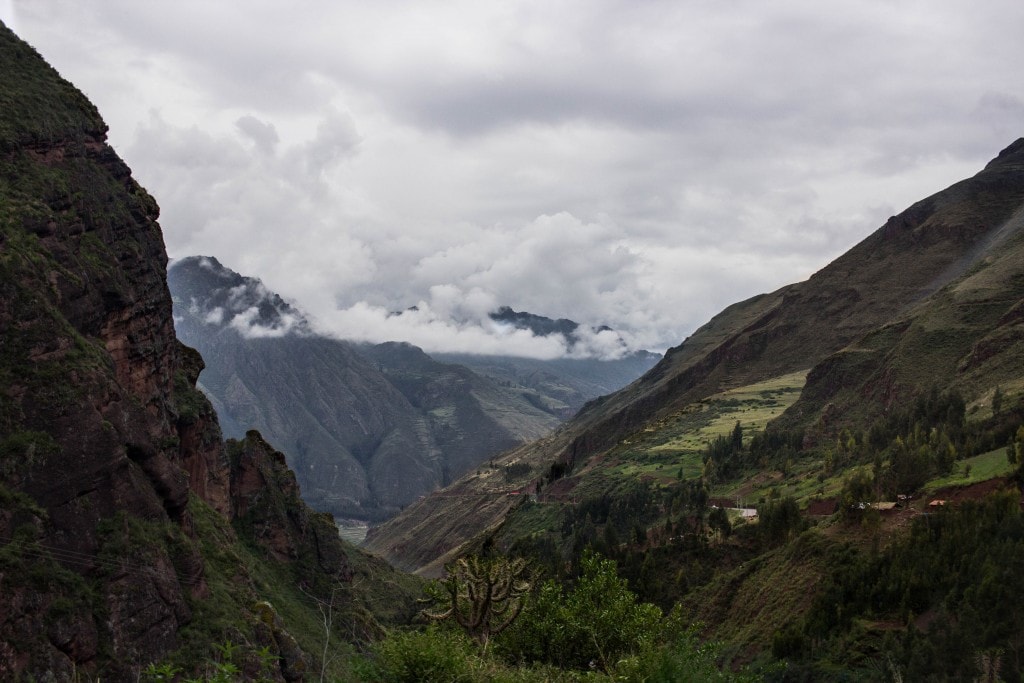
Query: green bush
(435,654)
(597,632)
(682,661)
(593,626)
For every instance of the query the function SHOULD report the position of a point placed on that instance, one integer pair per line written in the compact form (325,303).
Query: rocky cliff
(110,459)
(370,428)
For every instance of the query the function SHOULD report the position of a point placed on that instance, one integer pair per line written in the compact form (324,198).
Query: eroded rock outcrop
(113,472)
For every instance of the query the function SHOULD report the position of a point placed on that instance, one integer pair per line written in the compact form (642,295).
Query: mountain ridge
(122,536)
(369,428)
(804,327)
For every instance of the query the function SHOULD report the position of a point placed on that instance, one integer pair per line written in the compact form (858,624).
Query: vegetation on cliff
(129,534)
(827,478)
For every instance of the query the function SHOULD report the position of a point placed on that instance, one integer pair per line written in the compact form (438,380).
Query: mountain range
(933,299)
(827,478)
(370,428)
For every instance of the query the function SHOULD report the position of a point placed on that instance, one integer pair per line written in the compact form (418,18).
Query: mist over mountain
(368,428)
(824,476)
(537,324)
(929,302)
(567,383)
(825,482)
(243,304)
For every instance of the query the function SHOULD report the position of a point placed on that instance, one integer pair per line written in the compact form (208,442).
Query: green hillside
(821,483)
(848,411)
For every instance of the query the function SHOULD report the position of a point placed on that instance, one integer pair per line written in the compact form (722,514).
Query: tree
(1014,447)
(483,595)
(718,520)
(326,608)
(597,623)
(778,520)
(858,491)
(737,437)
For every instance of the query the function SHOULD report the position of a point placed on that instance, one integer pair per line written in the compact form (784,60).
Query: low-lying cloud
(635,165)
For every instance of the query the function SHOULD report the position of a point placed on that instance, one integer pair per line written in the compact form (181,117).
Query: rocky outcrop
(89,421)
(267,507)
(114,479)
(368,429)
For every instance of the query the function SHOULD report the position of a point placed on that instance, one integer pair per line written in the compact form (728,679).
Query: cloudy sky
(635,164)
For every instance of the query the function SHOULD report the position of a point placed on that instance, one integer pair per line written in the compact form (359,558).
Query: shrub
(684,660)
(594,625)
(435,654)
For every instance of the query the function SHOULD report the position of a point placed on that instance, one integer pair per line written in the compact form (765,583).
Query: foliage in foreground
(941,603)
(482,595)
(598,631)
(444,654)
(594,625)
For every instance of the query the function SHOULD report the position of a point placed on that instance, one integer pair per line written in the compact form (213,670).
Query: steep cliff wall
(110,460)
(89,413)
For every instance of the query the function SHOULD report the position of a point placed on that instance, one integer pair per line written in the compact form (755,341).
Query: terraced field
(673,447)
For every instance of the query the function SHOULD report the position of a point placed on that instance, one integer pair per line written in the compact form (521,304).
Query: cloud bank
(636,165)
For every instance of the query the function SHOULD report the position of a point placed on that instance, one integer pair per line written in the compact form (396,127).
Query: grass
(974,470)
(675,445)
(801,482)
(746,606)
(532,518)
(36,104)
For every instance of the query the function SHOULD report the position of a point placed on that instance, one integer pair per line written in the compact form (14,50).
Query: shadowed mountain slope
(563,384)
(128,533)
(930,299)
(368,429)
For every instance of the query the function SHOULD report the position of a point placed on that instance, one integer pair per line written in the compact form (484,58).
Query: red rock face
(265,501)
(103,435)
(93,433)
(201,448)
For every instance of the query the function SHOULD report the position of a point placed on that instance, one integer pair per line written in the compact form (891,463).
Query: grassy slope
(933,299)
(862,299)
(974,470)
(677,442)
(746,606)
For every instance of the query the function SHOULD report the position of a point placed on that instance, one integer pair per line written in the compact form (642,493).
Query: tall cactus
(483,595)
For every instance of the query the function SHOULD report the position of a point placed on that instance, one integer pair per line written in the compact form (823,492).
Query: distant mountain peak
(579,340)
(538,324)
(213,294)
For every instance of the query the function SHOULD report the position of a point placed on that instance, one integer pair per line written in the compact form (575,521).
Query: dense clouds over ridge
(635,165)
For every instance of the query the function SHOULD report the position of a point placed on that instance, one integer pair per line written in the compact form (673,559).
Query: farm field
(674,447)
(973,470)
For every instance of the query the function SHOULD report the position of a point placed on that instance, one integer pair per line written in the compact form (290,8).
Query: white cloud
(640,165)
(247,324)
(7,15)
(214,316)
(263,134)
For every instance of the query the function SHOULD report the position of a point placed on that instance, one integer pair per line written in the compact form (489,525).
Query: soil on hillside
(958,494)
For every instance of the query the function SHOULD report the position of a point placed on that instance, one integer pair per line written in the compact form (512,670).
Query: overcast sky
(640,164)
